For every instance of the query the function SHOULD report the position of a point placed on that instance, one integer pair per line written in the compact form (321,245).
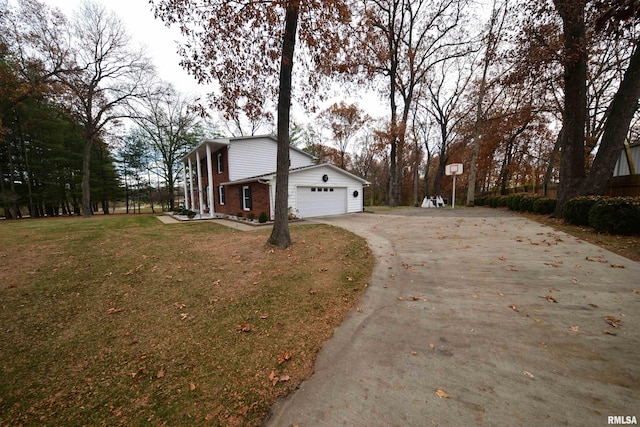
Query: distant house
(628,158)
(238,175)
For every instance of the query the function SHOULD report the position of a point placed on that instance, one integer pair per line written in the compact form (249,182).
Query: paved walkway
(477,317)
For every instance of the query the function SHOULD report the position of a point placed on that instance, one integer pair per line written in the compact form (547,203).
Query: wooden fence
(628,185)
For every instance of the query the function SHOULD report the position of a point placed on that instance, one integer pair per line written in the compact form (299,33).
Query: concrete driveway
(478,317)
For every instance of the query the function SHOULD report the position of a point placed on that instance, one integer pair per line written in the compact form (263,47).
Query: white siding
(622,167)
(337,179)
(257,156)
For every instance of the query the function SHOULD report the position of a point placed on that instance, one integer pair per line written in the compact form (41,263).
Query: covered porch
(198,184)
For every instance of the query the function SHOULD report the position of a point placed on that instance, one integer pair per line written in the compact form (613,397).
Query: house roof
(218,143)
(271,175)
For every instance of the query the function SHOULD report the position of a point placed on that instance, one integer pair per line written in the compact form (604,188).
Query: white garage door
(321,201)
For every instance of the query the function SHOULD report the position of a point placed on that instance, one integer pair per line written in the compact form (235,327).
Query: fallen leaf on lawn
(283,357)
(245,327)
(513,307)
(349,278)
(264,316)
(442,394)
(529,374)
(550,298)
(323,269)
(184,316)
(114,310)
(284,378)
(273,378)
(160,373)
(617,265)
(574,328)
(243,410)
(608,332)
(178,305)
(192,386)
(312,291)
(616,323)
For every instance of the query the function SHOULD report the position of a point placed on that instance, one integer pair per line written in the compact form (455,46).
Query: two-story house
(238,175)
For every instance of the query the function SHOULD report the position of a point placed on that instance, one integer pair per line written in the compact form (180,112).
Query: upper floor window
(220,163)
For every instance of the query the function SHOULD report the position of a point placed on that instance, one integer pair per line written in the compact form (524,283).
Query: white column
(184,185)
(200,198)
(191,201)
(210,178)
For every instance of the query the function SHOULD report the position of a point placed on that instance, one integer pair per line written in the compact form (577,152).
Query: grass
(120,320)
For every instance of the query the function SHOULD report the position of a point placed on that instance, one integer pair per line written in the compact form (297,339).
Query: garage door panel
(321,201)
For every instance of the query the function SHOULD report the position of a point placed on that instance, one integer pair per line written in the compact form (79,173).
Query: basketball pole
(453,198)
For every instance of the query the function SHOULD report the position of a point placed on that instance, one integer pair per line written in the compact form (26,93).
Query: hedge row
(615,215)
(520,202)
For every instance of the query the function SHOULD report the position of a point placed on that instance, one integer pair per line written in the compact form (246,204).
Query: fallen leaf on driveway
(616,323)
(442,394)
(574,328)
(550,298)
(529,374)
(608,332)
(513,307)
(617,265)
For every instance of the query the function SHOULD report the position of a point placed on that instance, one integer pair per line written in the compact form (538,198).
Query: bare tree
(171,128)
(409,37)
(107,75)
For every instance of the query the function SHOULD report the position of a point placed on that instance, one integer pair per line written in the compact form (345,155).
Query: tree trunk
(616,128)
(572,170)
(552,163)
(86,188)
(280,234)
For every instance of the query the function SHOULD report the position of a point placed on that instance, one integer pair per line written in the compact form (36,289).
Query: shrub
(262,218)
(239,214)
(544,206)
(576,210)
(480,201)
(616,215)
(251,216)
(527,201)
(513,201)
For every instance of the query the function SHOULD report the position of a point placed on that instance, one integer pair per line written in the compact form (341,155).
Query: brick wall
(233,205)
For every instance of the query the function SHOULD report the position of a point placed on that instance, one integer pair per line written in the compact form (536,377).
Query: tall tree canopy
(248,49)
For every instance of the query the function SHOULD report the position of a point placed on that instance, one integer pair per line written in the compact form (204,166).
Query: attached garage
(320,201)
(320,190)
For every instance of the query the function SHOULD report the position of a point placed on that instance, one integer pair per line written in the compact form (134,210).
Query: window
(220,163)
(221,195)
(245,198)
